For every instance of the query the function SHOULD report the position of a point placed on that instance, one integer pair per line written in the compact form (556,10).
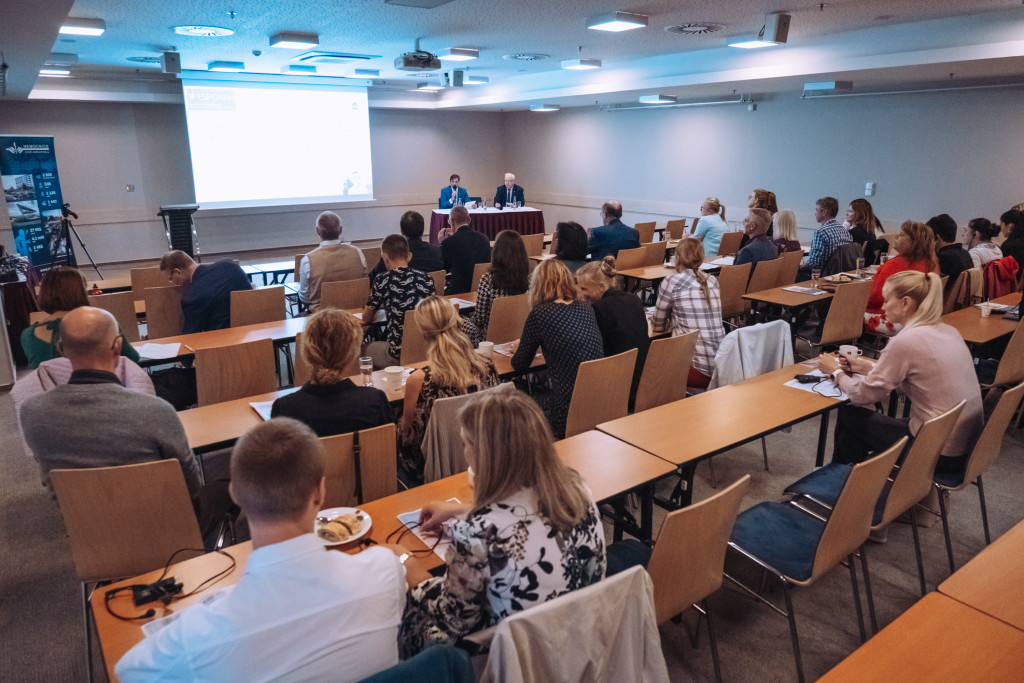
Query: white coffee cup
(986,310)
(393,377)
(850,351)
(486,349)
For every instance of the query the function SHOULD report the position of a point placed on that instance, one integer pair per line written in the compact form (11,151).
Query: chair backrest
(443,448)
(765,275)
(372,256)
(254,306)
(646,231)
(414,344)
(630,258)
(508,315)
(959,295)
(790,267)
(687,561)
(298,265)
(302,370)
(990,443)
(478,272)
(666,368)
(127,520)
(914,478)
(164,317)
(654,253)
(144,278)
(752,351)
(850,522)
(675,228)
(345,294)
(732,282)
(601,392)
(730,243)
(1011,366)
(438,277)
(378,466)
(224,373)
(977,280)
(534,244)
(121,305)
(843,258)
(845,318)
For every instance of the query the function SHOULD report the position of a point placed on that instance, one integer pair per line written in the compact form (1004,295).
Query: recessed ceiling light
(751,42)
(581,64)
(430,87)
(657,99)
(476,80)
(366,73)
(617,21)
(544,107)
(458,54)
(294,40)
(54,71)
(299,69)
(226,66)
(203,31)
(83,27)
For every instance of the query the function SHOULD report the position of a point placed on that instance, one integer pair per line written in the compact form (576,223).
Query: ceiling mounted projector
(419,60)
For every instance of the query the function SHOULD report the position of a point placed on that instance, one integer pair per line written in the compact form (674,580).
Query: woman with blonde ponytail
(710,225)
(453,368)
(691,300)
(927,361)
(330,403)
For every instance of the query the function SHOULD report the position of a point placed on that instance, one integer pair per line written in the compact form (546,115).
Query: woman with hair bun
(915,250)
(710,225)
(329,402)
(980,246)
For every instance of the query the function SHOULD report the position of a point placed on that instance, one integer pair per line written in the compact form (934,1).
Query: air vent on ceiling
(144,60)
(525,57)
(695,28)
(318,57)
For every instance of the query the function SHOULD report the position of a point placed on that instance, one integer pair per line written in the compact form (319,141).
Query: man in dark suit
(462,251)
(509,192)
(613,235)
(452,195)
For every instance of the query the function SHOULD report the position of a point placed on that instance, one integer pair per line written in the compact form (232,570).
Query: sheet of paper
(824,388)
(506,350)
(724,261)
(380,317)
(262,408)
(157,351)
(412,519)
(462,303)
(708,266)
(997,308)
(810,291)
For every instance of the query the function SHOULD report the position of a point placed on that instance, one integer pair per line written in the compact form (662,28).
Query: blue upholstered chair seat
(825,484)
(437,664)
(625,554)
(781,536)
(950,480)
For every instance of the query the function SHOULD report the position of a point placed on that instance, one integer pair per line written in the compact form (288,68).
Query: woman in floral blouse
(532,533)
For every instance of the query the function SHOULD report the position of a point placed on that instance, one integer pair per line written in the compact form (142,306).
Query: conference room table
(491,221)
(977,330)
(608,467)
(698,427)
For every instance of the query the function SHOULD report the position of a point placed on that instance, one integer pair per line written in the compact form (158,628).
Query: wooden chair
(144,278)
(164,317)
(732,281)
(790,266)
(37,317)
(478,272)
(345,294)
(1010,369)
(439,277)
(646,231)
(361,466)
(224,373)
(254,306)
(372,256)
(414,345)
(298,265)
(508,315)
(654,253)
(666,369)
(534,244)
(730,243)
(121,305)
(631,258)
(675,228)
(765,275)
(124,521)
(958,295)
(845,319)
(601,392)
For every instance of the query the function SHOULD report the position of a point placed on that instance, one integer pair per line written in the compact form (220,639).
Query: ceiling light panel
(299,69)
(294,40)
(83,27)
(544,107)
(657,99)
(581,64)
(54,71)
(458,54)
(617,21)
(751,43)
(476,80)
(226,66)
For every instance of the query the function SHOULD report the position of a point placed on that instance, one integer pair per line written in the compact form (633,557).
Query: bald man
(759,248)
(612,235)
(509,192)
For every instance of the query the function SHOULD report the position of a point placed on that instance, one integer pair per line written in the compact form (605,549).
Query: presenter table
(525,221)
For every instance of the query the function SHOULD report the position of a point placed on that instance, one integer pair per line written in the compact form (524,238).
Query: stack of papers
(158,351)
(724,261)
(462,303)
(810,291)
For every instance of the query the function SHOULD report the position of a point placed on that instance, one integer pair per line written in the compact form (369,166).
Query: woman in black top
(864,228)
(570,245)
(508,275)
(1012,224)
(330,403)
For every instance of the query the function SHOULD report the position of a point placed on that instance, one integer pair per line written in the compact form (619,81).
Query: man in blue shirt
(452,195)
(206,298)
(613,235)
(829,237)
(759,248)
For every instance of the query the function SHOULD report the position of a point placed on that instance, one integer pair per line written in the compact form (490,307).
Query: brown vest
(332,263)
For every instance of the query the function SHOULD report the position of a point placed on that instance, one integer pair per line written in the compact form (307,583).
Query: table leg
(822,438)
(647,512)
(620,514)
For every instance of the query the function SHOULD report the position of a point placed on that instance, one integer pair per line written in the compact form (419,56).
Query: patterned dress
(397,291)
(504,558)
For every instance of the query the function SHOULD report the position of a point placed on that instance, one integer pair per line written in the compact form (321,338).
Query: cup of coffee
(393,377)
(986,310)
(850,351)
(486,349)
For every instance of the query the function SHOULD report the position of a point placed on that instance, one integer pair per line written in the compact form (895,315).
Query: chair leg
(792,632)
(88,630)
(867,589)
(945,529)
(764,452)
(856,597)
(984,510)
(714,643)
(917,549)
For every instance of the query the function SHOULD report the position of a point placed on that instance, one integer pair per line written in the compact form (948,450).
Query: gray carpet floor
(42,639)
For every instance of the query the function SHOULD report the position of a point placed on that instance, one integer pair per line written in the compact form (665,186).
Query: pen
(189,348)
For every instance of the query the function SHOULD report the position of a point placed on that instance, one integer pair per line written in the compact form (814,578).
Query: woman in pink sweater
(915,249)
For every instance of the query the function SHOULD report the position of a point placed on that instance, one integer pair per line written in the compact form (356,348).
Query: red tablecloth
(492,221)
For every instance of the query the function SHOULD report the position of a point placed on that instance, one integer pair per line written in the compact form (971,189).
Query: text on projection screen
(269,144)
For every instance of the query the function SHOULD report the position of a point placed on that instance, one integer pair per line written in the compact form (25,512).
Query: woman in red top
(915,249)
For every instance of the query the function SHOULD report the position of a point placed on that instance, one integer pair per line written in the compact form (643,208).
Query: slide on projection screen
(272,144)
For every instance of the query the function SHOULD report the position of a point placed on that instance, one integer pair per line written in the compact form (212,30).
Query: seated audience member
(760,199)
(620,316)
(332,261)
(531,534)
(509,275)
(710,225)
(927,361)
(396,291)
(1011,224)
(57,371)
(980,246)
(759,247)
(62,290)
(953,258)
(565,329)
(453,369)
(915,250)
(784,224)
(461,250)
(691,300)
(509,192)
(864,229)
(329,402)
(298,611)
(829,237)
(570,243)
(206,298)
(425,256)
(613,235)
(452,195)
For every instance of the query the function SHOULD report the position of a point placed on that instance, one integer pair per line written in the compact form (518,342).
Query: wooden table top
(977,330)
(649,272)
(779,296)
(937,639)
(727,416)
(112,284)
(993,582)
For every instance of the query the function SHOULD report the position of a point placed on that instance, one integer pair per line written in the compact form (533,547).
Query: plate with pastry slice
(335,526)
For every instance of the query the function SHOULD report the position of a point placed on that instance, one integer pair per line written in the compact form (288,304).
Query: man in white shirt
(332,261)
(300,612)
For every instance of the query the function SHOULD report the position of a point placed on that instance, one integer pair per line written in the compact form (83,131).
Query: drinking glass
(815,274)
(860,266)
(883,258)
(366,370)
